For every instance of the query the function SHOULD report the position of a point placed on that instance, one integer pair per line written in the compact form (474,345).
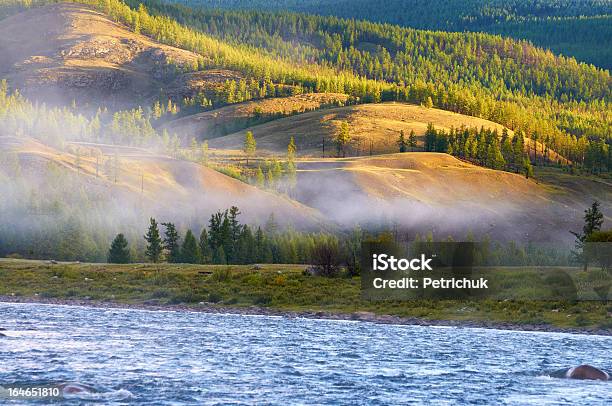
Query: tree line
(577,28)
(506,81)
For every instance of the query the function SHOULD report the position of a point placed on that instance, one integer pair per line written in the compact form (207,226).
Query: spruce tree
(343,137)
(593,220)
(430,138)
(250,145)
(119,252)
(205,251)
(190,251)
(291,150)
(401,142)
(412,142)
(260,179)
(171,243)
(154,242)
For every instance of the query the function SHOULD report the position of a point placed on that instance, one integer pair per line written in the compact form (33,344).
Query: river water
(173,358)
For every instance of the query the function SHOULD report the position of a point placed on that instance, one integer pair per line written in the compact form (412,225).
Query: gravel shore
(266,311)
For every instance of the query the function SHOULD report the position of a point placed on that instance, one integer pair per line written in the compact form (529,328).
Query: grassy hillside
(509,82)
(275,287)
(376,124)
(425,192)
(72,52)
(226,120)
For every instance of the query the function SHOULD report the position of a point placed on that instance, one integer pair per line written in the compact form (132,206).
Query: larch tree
(119,252)
(250,145)
(154,243)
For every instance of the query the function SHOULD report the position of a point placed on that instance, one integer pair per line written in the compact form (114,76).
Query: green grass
(282,287)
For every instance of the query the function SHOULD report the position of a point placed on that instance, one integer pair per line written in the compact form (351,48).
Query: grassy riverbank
(277,287)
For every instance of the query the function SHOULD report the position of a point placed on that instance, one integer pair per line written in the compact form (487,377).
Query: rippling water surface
(145,357)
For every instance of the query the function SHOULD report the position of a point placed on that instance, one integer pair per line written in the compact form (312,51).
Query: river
(170,358)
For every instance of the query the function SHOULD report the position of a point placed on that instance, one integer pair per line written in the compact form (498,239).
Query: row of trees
(513,83)
(483,146)
(576,28)
(225,241)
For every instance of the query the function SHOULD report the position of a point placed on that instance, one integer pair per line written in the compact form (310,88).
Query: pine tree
(154,242)
(412,142)
(171,243)
(190,251)
(428,102)
(430,138)
(219,256)
(235,229)
(250,145)
(204,153)
(527,168)
(291,150)
(343,137)
(205,251)
(593,220)
(260,180)
(119,252)
(401,142)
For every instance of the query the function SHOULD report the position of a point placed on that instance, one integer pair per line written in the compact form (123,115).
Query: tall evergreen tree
(190,252)
(154,243)
(119,252)
(412,142)
(250,145)
(401,142)
(593,220)
(205,251)
(343,137)
(171,243)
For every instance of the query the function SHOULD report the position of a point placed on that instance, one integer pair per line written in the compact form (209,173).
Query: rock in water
(73,388)
(587,372)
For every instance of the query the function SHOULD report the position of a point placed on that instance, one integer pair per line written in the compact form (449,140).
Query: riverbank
(277,290)
(263,311)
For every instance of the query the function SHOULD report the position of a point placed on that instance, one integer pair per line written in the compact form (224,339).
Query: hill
(226,120)
(435,192)
(70,51)
(374,127)
(575,28)
(132,184)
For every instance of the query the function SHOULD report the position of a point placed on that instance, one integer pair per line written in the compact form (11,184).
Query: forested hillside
(553,99)
(579,28)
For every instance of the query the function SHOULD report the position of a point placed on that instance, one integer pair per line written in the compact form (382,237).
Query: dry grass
(70,51)
(378,124)
(149,180)
(236,117)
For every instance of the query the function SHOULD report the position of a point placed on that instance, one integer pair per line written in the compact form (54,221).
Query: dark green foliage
(593,220)
(205,251)
(154,247)
(119,253)
(402,143)
(572,27)
(172,243)
(190,252)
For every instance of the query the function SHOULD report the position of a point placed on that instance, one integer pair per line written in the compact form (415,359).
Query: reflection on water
(143,357)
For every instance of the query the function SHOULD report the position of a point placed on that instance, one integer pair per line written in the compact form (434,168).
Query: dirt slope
(376,123)
(69,51)
(436,192)
(155,184)
(228,119)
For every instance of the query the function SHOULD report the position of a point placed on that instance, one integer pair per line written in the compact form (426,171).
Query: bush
(326,258)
